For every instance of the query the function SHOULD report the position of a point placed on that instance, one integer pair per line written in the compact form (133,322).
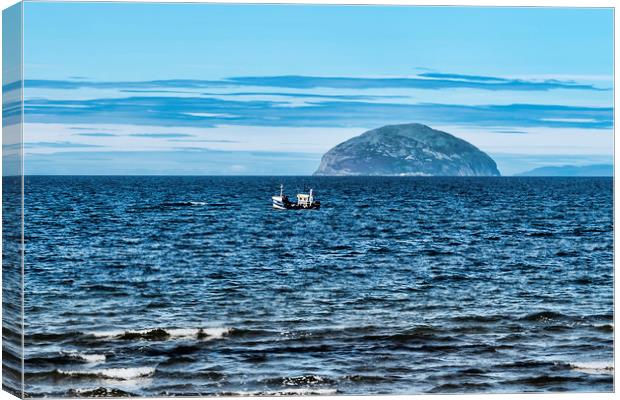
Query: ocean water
(161,286)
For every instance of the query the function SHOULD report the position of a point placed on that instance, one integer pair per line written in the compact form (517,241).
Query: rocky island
(406,150)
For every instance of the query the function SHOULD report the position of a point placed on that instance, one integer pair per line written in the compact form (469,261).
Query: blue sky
(246,89)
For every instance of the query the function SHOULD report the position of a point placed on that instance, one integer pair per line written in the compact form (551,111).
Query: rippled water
(195,285)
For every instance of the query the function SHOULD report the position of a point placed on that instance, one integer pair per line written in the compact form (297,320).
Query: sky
(121,88)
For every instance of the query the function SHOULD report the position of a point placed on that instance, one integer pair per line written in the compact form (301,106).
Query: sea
(196,286)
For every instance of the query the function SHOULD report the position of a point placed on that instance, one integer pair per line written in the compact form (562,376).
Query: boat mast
(281,190)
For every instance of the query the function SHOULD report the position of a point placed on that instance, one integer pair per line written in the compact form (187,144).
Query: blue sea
(159,286)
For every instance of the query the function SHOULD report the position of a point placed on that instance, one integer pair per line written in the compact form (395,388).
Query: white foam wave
(203,333)
(216,333)
(89,358)
(182,333)
(99,392)
(290,392)
(114,373)
(175,333)
(106,334)
(93,358)
(594,367)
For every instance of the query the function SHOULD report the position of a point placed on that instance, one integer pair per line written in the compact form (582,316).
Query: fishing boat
(304,201)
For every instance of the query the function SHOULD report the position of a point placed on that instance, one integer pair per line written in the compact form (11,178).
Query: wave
(460,387)
(83,357)
(65,358)
(479,318)
(436,252)
(192,376)
(472,371)
(51,337)
(200,333)
(526,364)
(300,380)
(541,234)
(567,253)
(184,203)
(318,380)
(584,280)
(175,204)
(422,332)
(191,204)
(545,316)
(604,327)
(369,378)
(122,374)
(158,334)
(593,367)
(155,334)
(99,392)
(543,380)
(286,392)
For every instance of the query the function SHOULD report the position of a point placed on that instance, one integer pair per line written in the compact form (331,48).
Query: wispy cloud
(161,135)
(426,80)
(59,145)
(204,112)
(84,128)
(422,81)
(154,91)
(204,141)
(124,85)
(96,134)
(308,95)
(472,78)
(510,131)
(210,115)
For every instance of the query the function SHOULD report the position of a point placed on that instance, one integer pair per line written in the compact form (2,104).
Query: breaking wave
(83,357)
(285,392)
(165,334)
(121,374)
(593,367)
(99,392)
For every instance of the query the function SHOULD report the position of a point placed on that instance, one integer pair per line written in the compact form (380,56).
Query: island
(406,150)
(572,170)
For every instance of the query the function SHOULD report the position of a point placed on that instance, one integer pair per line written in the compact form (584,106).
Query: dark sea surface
(162,286)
